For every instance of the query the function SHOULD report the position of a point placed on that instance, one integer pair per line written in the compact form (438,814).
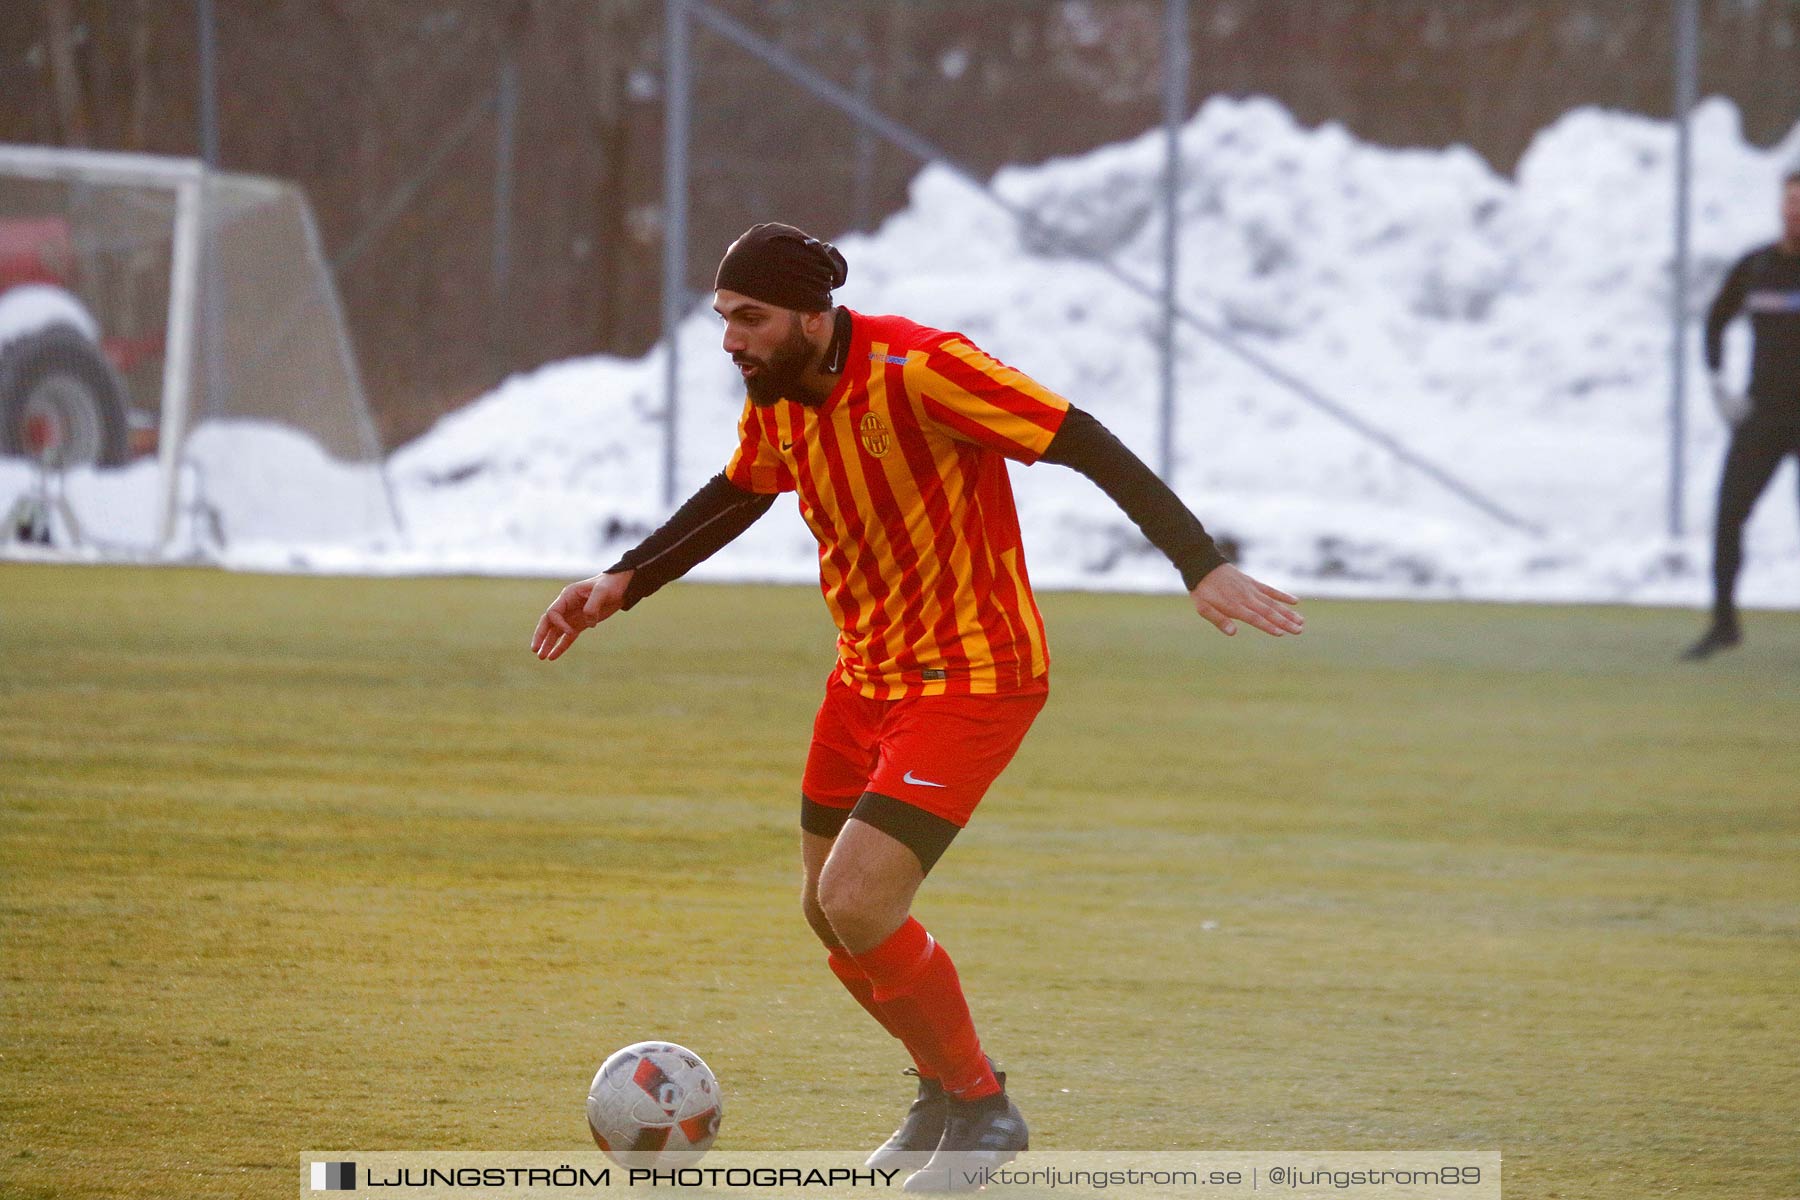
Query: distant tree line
(356,99)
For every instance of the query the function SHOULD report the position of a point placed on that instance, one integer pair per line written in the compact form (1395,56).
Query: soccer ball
(654,1104)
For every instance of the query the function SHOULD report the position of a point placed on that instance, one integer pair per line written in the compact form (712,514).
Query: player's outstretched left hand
(1227,596)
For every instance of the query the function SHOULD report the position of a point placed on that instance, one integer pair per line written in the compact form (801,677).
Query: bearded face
(781,374)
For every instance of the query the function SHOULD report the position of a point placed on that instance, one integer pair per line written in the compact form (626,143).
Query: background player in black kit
(1765,421)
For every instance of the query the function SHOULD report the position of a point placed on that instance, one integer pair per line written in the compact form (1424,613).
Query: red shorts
(936,753)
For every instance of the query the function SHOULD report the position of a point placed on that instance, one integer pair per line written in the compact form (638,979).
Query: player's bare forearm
(576,609)
(1226,596)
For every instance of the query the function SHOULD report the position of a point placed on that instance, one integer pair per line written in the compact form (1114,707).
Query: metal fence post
(862,216)
(212,279)
(1175,93)
(506,120)
(676,86)
(1687,38)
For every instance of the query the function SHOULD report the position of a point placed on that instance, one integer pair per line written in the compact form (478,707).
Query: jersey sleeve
(757,466)
(976,398)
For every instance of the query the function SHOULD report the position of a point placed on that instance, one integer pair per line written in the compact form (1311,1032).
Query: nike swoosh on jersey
(908,778)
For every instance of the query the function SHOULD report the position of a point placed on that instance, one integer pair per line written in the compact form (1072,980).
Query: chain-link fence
(388,116)
(490,184)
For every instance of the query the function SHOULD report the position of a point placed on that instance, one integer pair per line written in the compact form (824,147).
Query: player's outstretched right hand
(576,609)
(1225,596)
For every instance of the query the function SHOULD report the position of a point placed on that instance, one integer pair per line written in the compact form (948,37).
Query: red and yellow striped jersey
(901,475)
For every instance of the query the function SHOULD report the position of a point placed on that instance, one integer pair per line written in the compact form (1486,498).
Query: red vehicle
(63,395)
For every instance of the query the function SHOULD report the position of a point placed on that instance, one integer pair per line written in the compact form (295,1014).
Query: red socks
(858,985)
(909,984)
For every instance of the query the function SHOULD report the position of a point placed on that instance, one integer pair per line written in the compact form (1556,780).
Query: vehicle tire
(61,401)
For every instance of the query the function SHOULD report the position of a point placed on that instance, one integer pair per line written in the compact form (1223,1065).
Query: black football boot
(979,1136)
(917,1139)
(1722,635)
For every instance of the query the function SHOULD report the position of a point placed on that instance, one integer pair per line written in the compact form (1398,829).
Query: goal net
(173,352)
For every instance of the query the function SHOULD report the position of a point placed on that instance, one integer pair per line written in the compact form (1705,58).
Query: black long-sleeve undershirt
(705,525)
(1083,444)
(720,511)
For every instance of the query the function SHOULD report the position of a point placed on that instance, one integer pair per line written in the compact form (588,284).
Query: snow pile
(251,494)
(1512,331)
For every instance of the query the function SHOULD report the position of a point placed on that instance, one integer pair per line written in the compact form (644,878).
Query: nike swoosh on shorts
(908,778)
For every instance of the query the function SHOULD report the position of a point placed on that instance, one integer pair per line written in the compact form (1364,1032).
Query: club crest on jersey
(875,436)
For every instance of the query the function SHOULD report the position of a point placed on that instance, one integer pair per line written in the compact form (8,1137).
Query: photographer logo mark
(334,1177)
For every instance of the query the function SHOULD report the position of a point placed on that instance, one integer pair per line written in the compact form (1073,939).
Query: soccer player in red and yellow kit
(895,438)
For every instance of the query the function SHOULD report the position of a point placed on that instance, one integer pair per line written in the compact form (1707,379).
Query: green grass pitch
(297,863)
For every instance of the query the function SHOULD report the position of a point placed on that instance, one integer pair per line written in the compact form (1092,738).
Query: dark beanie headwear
(780,265)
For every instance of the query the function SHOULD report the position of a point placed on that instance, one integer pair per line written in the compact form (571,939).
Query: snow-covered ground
(1513,331)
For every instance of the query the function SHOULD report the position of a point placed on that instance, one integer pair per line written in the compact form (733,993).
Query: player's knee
(815,917)
(835,898)
(850,911)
